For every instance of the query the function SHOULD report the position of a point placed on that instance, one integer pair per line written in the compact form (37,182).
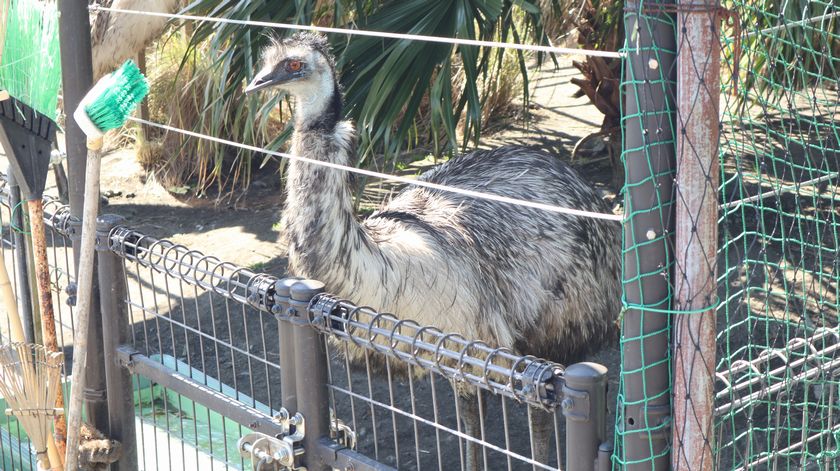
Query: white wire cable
(376,34)
(804,22)
(393,178)
(780,190)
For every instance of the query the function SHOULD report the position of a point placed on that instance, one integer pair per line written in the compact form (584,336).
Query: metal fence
(201,353)
(211,365)
(15,452)
(209,368)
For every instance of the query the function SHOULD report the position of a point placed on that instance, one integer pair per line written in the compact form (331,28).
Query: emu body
(534,281)
(537,282)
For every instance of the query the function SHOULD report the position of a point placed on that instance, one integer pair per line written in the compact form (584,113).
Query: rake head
(30,377)
(27,137)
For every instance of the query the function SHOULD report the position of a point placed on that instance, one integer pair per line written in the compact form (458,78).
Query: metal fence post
(116,331)
(77,78)
(698,102)
(648,232)
(584,405)
(288,387)
(310,374)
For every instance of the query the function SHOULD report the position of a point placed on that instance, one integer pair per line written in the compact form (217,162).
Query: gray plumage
(535,281)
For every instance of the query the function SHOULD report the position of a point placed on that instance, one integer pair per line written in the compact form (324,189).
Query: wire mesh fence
(215,324)
(402,396)
(15,449)
(776,397)
(421,429)
(189,312)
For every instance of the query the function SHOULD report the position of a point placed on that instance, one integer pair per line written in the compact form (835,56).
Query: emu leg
(471,418)
(542,424)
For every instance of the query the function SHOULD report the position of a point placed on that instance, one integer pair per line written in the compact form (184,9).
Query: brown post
(698,102)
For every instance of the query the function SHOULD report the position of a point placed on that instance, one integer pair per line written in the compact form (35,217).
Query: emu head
(298,64)
(302,66)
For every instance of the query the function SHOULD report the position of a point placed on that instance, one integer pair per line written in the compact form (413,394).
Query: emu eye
(294,65)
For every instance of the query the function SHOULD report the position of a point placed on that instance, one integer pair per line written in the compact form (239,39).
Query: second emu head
(303,66)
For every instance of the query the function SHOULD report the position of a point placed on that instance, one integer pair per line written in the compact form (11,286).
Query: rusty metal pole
(42,272)
(698,103)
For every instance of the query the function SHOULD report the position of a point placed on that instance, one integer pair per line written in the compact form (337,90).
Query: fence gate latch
(342,433)
(278,453)
(575,404)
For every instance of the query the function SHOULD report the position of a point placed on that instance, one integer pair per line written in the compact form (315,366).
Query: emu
(534,281)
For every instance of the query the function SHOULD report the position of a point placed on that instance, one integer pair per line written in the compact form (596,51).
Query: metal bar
(193,267)
(698,102)
(585,407)
(787,450)
(214,400)
(77,78)
(809,374)
(311,375)
(288,386)
(494,369)
(648,229)
(22,288)
(339,457)
(815,357)
(526,379)
(116,330)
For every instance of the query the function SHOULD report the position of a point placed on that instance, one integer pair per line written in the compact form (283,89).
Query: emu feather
(537,282)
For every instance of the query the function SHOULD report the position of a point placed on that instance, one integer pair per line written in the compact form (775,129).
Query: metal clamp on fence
(282,452)
(57,217)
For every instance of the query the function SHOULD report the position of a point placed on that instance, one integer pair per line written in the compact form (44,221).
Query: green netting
(30,68)
(777,385)
(778,341)
(648,153)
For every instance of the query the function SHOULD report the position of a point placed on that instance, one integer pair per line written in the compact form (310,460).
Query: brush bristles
(123,90)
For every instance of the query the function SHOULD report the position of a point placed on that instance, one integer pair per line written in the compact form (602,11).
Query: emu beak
(268,77)
(264,79)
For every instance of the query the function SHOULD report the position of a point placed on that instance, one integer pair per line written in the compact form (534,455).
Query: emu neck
(319,106)
(326,241)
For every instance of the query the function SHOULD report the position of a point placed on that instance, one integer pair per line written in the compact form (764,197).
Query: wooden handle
(10,303)
(42,273)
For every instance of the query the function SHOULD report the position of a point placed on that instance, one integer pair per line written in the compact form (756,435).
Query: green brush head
(117,97)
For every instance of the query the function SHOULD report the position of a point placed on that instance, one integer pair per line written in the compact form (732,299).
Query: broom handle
(10,302)
(42,273)
(84,281)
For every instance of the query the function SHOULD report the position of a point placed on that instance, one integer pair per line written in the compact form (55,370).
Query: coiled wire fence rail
(730,332)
